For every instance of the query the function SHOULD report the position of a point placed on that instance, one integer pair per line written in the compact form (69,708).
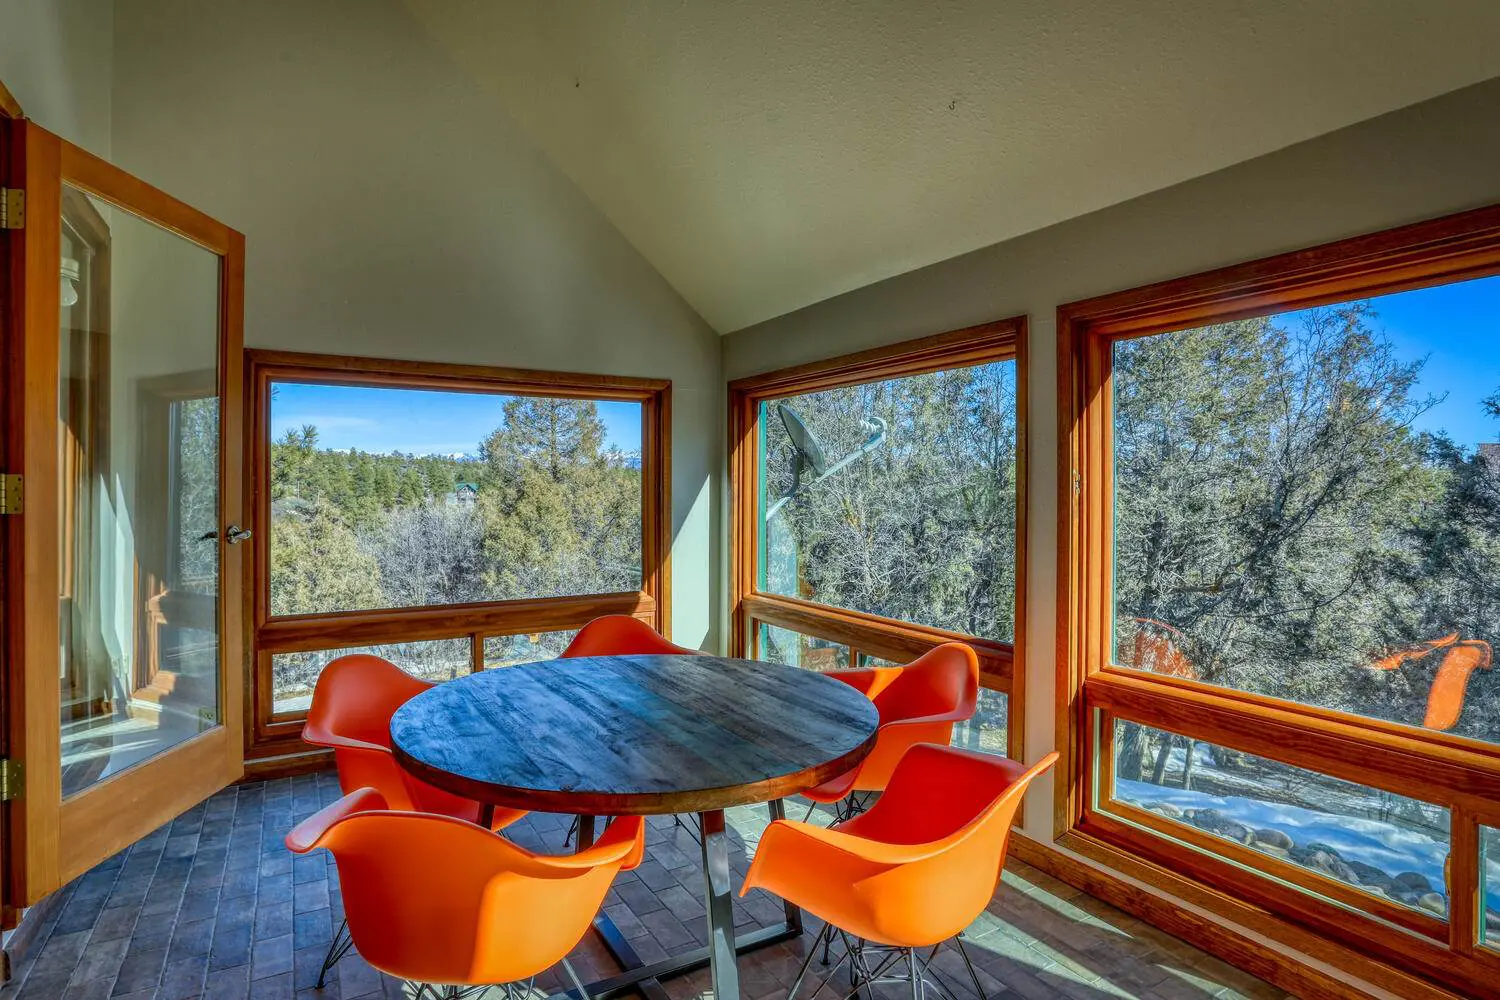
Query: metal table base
(637,976)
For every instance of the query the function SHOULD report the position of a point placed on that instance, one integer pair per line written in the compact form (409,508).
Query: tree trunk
(1129,764)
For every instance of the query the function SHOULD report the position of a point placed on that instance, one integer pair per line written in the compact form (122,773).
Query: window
(448,518)
(1282,512)
(896,498)
(780,645)
(1385,846)
(1489,926)
(878,510)
(1307,505)
(388,497)
(293,675)
(509,650)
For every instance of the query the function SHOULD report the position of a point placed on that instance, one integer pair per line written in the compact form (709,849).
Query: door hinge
(12,208)
(12,780)
(10,494)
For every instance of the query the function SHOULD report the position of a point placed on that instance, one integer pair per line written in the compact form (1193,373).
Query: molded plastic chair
(621,635)
(352,705)
(913,871)
(918,703)
(436,900)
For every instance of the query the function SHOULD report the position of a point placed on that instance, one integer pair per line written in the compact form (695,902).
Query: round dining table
(642,735)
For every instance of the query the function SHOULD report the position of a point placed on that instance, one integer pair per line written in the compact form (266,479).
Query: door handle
(233,534)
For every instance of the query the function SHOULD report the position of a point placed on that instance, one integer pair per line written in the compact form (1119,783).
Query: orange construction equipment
(1450,685)
(352,705)
(436,900)
(621,635)
(909,874)
(918,703)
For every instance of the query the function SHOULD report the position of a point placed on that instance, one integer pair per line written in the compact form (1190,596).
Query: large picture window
(450,518)
(878,510)
(1282,523)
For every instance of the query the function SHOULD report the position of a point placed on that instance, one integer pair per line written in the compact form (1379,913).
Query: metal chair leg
(812,950)
(583,994)
(337,949)
(959,939)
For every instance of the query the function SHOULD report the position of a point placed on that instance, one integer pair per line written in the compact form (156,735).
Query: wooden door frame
(43,859)
(10,424)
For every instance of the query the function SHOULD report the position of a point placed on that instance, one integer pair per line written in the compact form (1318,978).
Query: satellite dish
(809,451)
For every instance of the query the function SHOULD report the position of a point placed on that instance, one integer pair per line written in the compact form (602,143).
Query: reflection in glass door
(138,438)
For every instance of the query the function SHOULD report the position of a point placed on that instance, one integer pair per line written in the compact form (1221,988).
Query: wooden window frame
(1458,773)
(272,735)
(886,638)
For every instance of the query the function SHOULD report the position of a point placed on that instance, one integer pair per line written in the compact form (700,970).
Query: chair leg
(978,989)
(825,934)
(583,994)
(337,949)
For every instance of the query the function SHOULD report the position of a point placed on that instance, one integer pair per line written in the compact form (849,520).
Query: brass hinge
(10,494)
(12,780)
(12,208)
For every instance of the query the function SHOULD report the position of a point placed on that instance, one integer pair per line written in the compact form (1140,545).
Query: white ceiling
(766,154)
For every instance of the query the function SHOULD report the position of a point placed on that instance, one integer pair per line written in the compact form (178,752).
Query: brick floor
(212,905)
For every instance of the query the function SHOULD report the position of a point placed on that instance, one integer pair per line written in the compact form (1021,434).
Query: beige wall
(390,209)
(1431,159)
(56,58)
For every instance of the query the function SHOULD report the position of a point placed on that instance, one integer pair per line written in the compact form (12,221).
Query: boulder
(1217,823)
(1272,850)
(1322,858)
(1274,838)
(1166,809)
(1370,875)
(1433,903)
(1413,882)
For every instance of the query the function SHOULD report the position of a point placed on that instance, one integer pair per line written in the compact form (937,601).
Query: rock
(1433,903)
(1274,838)
(1322,858)
(1217,823)
(1413,882)
(1370,875)
(1272,850)
(1166,809)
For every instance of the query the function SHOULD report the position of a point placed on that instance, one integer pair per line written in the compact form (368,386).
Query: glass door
(133,656)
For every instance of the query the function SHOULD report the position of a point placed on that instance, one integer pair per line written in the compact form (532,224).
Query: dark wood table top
(621,735)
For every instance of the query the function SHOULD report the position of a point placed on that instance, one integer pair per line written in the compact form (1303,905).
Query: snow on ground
(1391,848)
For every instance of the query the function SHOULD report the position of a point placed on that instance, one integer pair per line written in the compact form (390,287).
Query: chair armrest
(624,838)
(957,715)
(320,737)
(818,848)
(307,835)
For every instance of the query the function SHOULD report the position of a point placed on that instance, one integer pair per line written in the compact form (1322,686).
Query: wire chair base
(870,965)
(337,949)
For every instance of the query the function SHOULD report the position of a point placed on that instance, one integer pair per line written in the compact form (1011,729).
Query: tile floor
(212,905)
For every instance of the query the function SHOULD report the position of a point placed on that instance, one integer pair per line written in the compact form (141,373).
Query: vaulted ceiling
(766,154)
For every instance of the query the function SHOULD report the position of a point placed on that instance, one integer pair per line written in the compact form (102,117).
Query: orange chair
(910,873)
(621,635)
(436,900)
(352,705)
(918,703)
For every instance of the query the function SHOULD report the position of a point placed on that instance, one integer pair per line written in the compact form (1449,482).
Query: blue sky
(415,421)
(1457,329)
